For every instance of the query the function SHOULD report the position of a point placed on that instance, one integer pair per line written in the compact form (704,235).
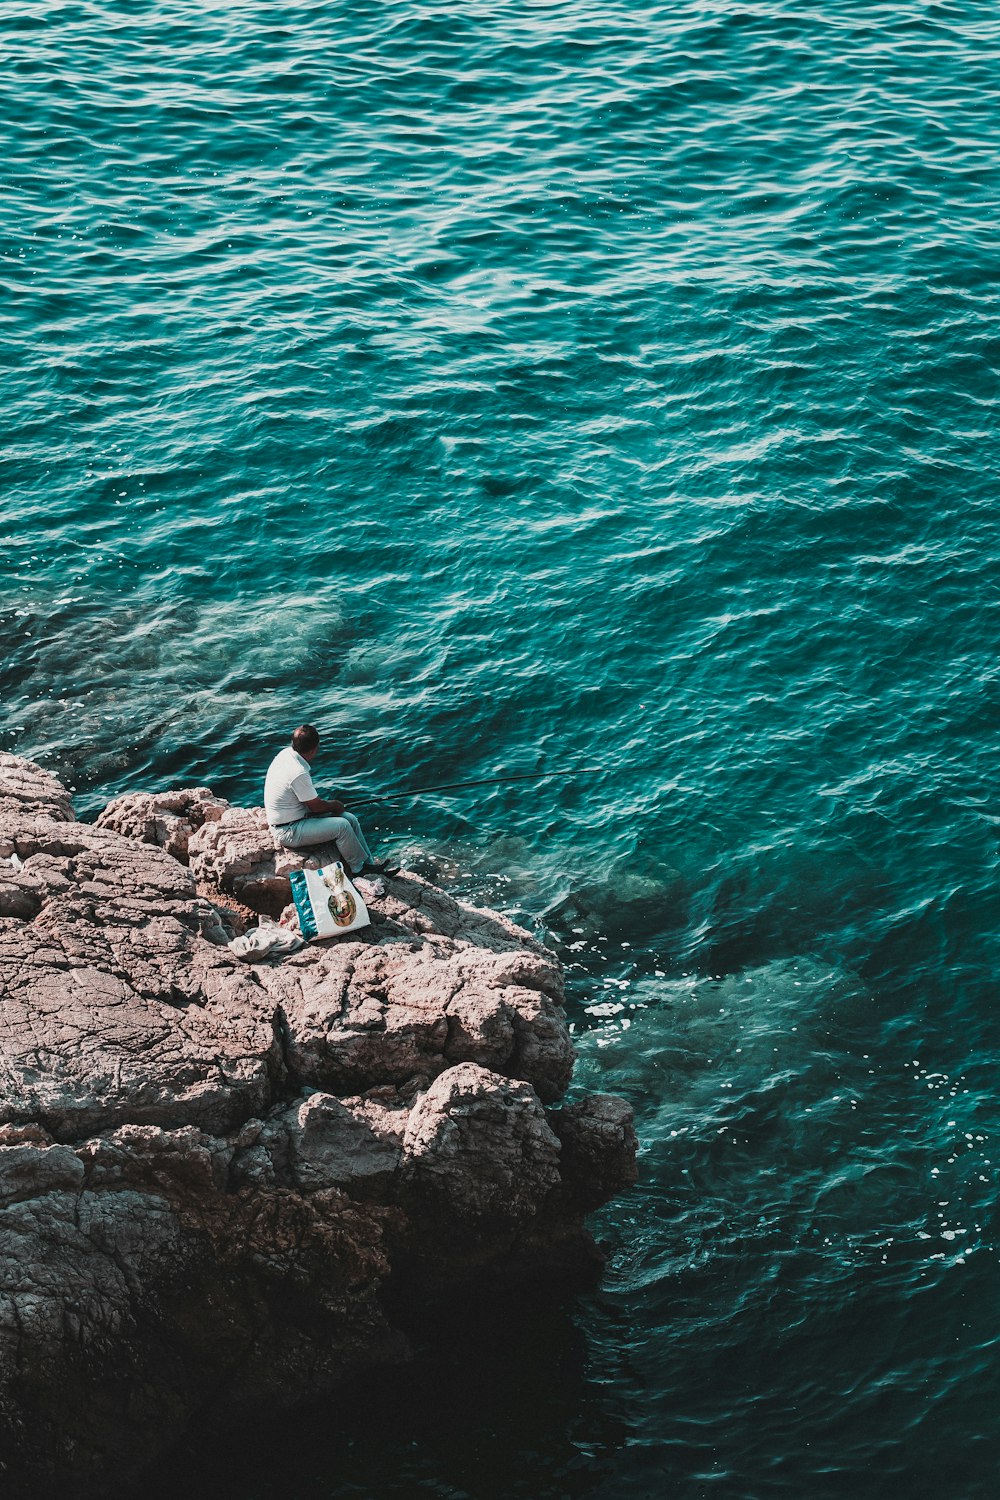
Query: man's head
(306,741)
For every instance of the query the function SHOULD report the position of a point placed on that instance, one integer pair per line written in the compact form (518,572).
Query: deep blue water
(609,393)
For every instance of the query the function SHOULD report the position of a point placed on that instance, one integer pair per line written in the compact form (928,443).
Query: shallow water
(609,394)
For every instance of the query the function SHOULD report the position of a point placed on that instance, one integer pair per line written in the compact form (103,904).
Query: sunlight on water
(606,394)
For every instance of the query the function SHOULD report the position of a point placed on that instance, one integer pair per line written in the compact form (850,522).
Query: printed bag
(327,903)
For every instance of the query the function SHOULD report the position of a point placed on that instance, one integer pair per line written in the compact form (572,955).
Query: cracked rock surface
(209,1171)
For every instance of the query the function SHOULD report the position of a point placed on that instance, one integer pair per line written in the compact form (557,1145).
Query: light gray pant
(345,832)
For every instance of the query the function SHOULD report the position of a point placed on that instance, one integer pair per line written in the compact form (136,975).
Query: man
(299,817)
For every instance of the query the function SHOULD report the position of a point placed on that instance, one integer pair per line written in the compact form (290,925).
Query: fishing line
(447,787)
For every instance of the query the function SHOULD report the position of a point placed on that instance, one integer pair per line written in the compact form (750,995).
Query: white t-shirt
(288,786)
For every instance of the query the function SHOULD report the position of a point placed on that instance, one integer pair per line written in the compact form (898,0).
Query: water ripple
(567,386)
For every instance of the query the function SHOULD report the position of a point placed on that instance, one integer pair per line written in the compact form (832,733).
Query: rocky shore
(212,1173)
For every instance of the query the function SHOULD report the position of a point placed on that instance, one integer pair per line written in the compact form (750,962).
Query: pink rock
(190,1146)
(236,853)
(26,790)
(115,1007)
(166,819)
(435,983)
(481,1145)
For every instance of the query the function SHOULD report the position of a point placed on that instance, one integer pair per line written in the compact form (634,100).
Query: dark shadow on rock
(499,1400)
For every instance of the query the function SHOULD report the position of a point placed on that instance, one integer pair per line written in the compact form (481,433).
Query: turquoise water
(609,393)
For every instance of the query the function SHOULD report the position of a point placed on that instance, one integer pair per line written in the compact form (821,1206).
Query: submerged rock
(627,903)
(209,1171)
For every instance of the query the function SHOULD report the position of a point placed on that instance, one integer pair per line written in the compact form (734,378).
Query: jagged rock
(27,790)
(136,1284)
(115,1007)
(598,1147)
(481,1145)
(209,1170)
(167,819)
(357,1013)
(237,854)
(324,1141)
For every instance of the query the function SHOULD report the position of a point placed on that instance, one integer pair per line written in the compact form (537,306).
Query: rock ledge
(208,1171)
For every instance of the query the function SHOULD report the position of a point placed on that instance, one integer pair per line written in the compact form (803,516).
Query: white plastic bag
(327,902)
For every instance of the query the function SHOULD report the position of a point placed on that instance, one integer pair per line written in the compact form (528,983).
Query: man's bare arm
(320,807)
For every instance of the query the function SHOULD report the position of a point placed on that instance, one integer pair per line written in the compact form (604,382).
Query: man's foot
(378,867)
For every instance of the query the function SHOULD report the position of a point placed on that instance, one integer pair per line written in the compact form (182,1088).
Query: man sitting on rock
(299,818)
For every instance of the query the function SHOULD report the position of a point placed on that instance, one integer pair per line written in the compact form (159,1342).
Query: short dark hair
(305,739)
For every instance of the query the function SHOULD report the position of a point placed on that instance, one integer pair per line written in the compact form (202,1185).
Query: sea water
(602,395)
